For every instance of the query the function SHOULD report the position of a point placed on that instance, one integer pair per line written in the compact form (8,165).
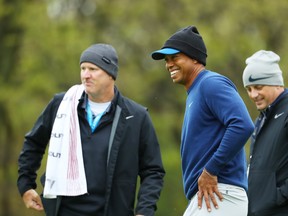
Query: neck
(198,69)
(102,97)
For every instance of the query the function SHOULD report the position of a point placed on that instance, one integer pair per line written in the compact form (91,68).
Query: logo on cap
(256,79)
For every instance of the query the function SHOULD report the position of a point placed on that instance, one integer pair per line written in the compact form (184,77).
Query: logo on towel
(51,182)
(60,115)
(54,154)
(57,135)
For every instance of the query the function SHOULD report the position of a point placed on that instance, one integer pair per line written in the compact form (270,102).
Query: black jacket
(134,152)
(268,171)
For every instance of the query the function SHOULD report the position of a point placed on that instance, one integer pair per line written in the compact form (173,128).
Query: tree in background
(11,35)
(40,46)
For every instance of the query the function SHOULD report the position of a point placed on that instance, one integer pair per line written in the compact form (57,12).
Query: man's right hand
(32,200)
(208,190)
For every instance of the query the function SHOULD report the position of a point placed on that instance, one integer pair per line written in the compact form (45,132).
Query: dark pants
(51,206)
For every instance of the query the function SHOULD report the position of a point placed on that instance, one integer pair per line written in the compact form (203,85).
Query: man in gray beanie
(268,168)
(215,129)
(100,142)
(102,55)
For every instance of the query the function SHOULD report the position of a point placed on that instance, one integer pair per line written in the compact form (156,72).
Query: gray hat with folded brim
(263,69)
(103,56)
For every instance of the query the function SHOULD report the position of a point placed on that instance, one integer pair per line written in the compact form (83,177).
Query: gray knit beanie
(102,55)
(188,41)
(263,69)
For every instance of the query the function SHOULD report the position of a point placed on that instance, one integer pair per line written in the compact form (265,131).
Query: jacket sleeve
(151,170)
(34,146)
(282,191)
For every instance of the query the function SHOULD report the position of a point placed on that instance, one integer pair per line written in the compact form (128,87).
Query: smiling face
(183,70)
(98,84)
(263,95)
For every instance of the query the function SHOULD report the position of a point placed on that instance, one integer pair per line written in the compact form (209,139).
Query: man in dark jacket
(268,169)
(100,142)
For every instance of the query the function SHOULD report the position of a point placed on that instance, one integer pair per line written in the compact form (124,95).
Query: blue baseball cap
(186,40)
(160,54)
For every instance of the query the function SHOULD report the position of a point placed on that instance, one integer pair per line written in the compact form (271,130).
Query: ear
(195,61)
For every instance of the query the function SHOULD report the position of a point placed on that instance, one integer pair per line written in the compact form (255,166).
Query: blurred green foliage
(40,46)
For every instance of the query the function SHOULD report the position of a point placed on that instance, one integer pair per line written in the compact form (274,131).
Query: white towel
(65,174)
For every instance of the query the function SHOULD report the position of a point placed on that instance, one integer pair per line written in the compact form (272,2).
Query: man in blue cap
(215,129)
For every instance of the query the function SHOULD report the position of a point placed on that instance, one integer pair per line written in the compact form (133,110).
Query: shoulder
(132,105)
(213,84)
(54,103)
(215,80)
(57,98)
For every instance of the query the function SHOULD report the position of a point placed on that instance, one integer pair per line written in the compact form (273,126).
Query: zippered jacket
(268,170)
(134,152)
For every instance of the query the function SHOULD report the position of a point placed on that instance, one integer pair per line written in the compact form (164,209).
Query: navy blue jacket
(268,170)
(111,173)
